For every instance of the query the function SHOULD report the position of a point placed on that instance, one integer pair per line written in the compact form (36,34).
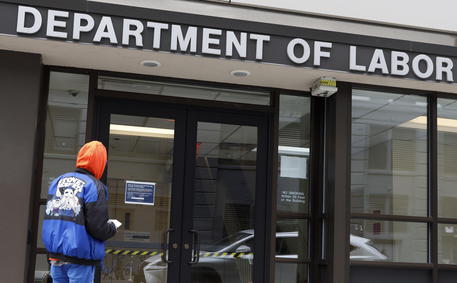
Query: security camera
(73,92)
(324,87)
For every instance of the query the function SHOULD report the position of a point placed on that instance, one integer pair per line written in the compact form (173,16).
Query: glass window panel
(291,272)
(447,158)
(41,268)
(224,202)
(375,240)
(140,151)
(139,156)
(389,153)
(187,91)
(447,276)
(65,124)
(390,274)
(447,243)
(135,269)
(293,150)
(292,239)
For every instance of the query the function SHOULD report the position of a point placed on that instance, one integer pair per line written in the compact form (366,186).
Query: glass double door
(189,186)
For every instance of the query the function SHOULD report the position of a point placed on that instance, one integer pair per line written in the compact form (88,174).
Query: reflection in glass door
(189,188)
(140,166)
(224,186)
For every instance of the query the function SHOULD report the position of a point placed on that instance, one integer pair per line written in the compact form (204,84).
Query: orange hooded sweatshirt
(92,157)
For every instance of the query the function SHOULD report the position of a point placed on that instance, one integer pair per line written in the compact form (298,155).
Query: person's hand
(116,222)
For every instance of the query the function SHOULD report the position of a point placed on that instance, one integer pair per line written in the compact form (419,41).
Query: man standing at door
(76,222)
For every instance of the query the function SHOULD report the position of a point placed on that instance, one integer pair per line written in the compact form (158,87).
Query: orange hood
(92,157)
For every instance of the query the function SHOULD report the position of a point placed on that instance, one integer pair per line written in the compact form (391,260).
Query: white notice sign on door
(293,167)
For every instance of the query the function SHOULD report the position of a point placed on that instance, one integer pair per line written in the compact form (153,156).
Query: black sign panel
(149,34)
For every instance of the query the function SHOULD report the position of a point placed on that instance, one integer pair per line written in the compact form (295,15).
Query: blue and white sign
(140,192)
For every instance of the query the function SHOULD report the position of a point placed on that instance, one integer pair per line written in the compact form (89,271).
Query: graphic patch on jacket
(66,202)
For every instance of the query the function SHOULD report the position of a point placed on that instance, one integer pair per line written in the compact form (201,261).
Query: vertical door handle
(195,247)
(166,245)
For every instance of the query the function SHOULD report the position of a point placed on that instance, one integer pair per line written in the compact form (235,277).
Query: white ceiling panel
(189,67)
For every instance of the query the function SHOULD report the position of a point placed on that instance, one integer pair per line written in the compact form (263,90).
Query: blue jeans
(72,273)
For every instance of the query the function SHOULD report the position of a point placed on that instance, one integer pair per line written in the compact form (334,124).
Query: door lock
(175,246)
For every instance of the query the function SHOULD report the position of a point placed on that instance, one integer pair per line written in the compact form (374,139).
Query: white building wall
(434,15)
(339,18)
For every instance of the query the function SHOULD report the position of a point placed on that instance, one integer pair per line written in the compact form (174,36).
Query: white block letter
(353,60)
(291,51)
(78,27)
(444,65)
(208,40)
(429,66)
(127,32)
(157,27)
(184,41)
(259,38)
(399,63)
(378,61)
(52,23)
(232,41)
(21,14)
(318,53)
(105,30)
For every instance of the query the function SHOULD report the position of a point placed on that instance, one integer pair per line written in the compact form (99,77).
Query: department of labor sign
(139,192)
(292,47)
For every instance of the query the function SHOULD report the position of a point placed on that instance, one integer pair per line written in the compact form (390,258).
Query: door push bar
(166,245)
(195,247)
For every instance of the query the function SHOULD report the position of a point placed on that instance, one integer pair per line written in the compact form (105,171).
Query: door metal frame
(186,119)
(106,107)
(261,191)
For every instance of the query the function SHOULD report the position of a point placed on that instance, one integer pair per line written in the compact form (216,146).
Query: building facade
(248,141)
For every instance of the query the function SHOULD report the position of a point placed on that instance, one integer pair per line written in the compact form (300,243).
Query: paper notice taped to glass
(293,167)
(291,197)
(139,192)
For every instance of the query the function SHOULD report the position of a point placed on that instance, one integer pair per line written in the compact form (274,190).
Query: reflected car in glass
(363,249)
(230,260)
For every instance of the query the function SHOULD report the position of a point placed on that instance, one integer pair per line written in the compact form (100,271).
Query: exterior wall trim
(243,25)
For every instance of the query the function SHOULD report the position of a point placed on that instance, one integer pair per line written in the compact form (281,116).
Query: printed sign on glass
(139,192)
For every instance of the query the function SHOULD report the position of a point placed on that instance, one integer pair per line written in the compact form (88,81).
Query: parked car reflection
(362,249)
(230,260)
